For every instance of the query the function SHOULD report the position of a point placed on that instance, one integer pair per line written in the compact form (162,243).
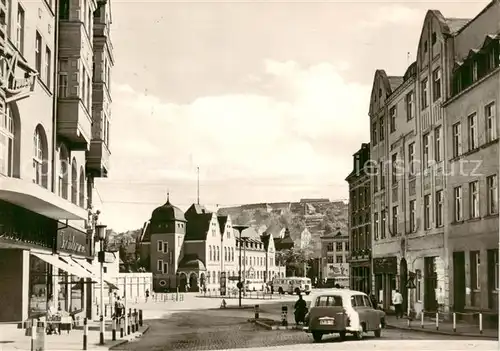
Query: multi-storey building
(335,254)
(360,239)
(472,118)
(45,139)
(411,213)
(200,250)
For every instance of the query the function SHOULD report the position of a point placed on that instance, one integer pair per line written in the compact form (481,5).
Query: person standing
(397,301)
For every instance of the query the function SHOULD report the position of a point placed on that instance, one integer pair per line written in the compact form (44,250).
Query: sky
(269,99)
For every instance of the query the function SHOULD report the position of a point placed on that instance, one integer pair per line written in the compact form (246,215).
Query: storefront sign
(337,270)
(73,241)
(16,87)
(385,265)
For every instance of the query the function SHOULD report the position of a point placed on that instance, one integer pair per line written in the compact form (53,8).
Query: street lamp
(101,235)
(239,228)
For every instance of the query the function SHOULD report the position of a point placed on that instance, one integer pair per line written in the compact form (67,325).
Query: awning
(83,273)
(95,271)
(38,199)
(55,261)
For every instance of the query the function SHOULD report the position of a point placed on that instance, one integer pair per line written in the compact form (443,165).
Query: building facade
(472,119)
(334,255)
(360,239)
(199,251)
(45,138)
(410,139)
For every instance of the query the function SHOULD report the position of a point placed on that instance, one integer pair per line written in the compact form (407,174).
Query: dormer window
(474,70)
(434,38)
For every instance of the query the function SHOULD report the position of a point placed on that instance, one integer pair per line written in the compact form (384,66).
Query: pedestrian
(397,301)
(300,310)
(119,308)
(374,301)
(147,295)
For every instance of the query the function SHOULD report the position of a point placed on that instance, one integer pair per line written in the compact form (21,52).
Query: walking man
(397,301)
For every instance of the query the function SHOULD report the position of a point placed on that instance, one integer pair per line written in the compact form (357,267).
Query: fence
(476,322)
(234,294)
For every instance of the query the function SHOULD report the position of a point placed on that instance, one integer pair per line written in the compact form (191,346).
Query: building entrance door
(430,284)
(458,281)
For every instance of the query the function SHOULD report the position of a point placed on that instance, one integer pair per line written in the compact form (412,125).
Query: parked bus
(292,285)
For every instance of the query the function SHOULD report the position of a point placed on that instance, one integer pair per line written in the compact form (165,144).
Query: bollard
(140,318)
(480,323)
(284,318)
(408,321)
(136,320)
(437,320)
(34,323)
(256,311)
(422,319)
(101,330)
(132,322)
(121,321)
(454,322)
(40,336)
(128,320)
(113,330)
(85,333)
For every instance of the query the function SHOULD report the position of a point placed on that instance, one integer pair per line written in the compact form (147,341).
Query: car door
(372,314)
(358,304)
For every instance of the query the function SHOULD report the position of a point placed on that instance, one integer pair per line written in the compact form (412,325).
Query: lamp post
(240,229)
(101,235)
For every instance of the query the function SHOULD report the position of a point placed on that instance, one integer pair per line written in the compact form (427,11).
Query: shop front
(361,276)
(385,270)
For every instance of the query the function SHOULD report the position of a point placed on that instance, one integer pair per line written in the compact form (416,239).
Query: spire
(198,185)
(168,196)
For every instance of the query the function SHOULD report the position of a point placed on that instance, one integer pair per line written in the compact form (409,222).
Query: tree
(295,259)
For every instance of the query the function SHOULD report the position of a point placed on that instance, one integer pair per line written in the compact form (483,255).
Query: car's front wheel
(358,335)
(317,336)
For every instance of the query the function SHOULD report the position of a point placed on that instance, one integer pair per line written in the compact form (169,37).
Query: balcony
(98,158)
(74,123)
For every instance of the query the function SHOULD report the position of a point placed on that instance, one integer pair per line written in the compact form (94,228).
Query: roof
(335,291)
(395,81)
(285,243)
(145,236)
(455,24)
(191,261)
(167,213)
(265,240)
(195,209)
(198,226)
(222,223)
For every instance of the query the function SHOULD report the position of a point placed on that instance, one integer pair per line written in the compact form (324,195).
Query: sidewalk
(445,328)
(12,339)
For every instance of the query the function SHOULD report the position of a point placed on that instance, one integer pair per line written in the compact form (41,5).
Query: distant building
(334,254)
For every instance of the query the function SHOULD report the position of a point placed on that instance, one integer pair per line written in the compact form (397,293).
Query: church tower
(167,230)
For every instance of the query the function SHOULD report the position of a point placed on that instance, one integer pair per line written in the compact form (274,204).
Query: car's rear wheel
(358,335)
(280,290)
(342,335)
(317,336)
(308,292)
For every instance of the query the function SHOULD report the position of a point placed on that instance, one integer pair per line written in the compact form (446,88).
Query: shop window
(76,304)
(62,279)
(40,286)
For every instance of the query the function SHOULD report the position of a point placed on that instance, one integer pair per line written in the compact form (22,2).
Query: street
(229,329)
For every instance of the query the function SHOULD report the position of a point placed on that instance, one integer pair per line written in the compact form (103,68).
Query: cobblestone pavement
(219,330)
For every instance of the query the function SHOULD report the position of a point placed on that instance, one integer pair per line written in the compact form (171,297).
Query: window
(394,220)
(329,259)
(425,46)
(382,175)
(492,187)
(20,29)
(160,246)
(427,212)
(38,52)
(358,301)
(475,270)
(474,199)
(374,133)
(412,216)
(473,143)
(457,204)
(438,152)
(434,38)
(457,139)
(474,71)
(491,124)
(338,246)
(392,114)
(159,265)
(48,71)
(7,143)
(375,225)
(409,105)
(218,254)
(225,253)
(63,172)
(425,92)
(493,270)
(436,84)
(439,208)
(63,78)
(165,246)
(329,247)
(165,268)
(382,228)
(37,157)
(339,259)
(210,252)
(394,175)
(381,127)
(425,142)
(411,158)
(323,301)
(64,9)
(418,284)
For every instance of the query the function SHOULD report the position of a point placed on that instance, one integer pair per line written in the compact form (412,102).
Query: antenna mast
(198,184)
(408,59)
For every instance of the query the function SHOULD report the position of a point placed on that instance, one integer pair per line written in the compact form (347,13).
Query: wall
(14,289)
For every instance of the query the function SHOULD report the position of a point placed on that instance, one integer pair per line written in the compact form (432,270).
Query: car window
(367,301)
(329,301)
(357,301)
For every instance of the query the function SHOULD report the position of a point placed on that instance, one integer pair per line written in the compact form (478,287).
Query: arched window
(81,192)
(218,256)
(7,143)
(63,172)
(74,182)
(40,151)
(210,250)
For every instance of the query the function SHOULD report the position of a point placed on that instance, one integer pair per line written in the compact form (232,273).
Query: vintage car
(343,311)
